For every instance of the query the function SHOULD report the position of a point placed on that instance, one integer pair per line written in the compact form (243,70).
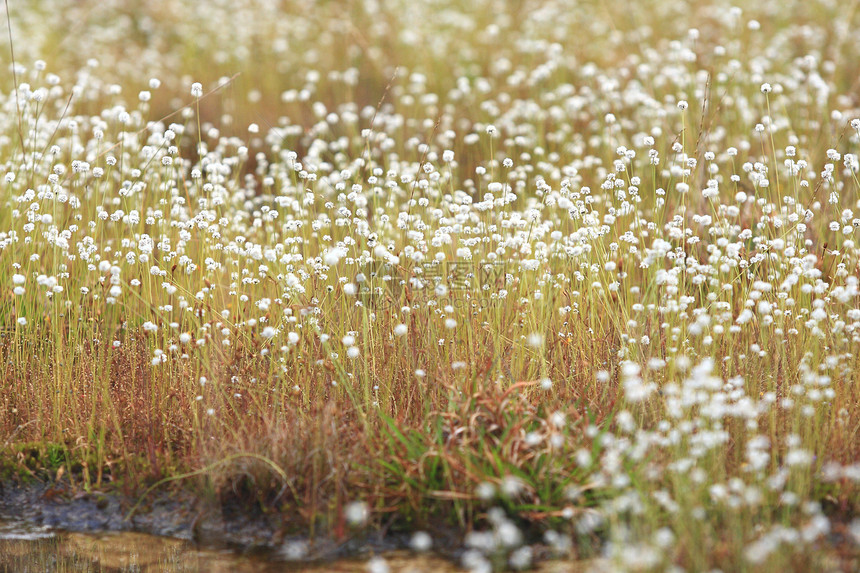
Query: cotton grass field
(571,280)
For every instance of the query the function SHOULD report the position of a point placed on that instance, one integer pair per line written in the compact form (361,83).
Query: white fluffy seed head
(535,340)
(421,541)
(331,257)
(356,513)
(268,332)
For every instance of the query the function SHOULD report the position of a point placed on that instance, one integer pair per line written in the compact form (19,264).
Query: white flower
(356,513)
(196,89)
(421,541)
(268,332)
(378,565)
(332,257)
(400,330)
(535,340)
(485,491)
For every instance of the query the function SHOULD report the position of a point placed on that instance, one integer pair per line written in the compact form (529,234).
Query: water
(26,548)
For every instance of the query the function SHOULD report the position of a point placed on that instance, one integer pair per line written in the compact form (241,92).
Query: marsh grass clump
(573,277)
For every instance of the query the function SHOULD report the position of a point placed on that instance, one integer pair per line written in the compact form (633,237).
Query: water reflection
(25,548)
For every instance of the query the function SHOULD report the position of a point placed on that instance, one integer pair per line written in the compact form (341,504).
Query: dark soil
(181,514)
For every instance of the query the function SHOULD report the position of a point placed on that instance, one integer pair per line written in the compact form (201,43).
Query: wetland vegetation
(514,280)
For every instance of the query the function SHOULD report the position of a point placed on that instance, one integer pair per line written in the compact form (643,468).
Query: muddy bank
(181,515)
(201,528)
